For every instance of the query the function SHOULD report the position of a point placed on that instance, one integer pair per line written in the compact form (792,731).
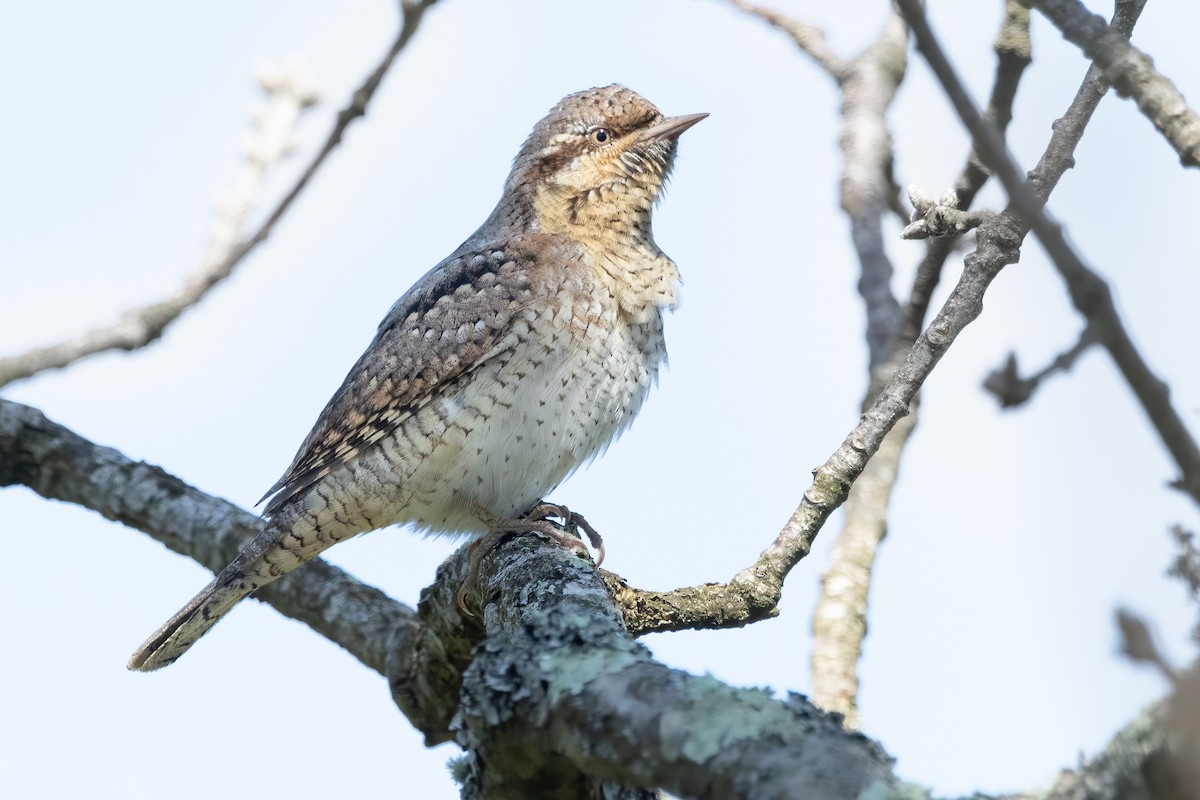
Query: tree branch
(560,688)
(139,327)
(421,654)
(1088,291)
(557,679)
(840,617)
(867,85)
(1130,72)
(1013,54)
(753,593)
(61,465)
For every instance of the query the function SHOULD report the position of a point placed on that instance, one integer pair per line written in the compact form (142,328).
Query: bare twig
(1089,292)
(753,592)
(840,617)
(140,326)
(1013,54)
(867,84)
(809,38)
(1130,72)
(1007,385)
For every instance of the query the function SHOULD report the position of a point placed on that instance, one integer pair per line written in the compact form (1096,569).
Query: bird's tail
(273,553)
(190,623)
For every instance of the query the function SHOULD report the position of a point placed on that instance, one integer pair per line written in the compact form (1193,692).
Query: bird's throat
(612,225)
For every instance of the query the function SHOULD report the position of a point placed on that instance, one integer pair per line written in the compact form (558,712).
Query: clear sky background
(991,661)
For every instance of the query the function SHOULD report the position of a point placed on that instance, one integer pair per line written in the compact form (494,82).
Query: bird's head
(600,156)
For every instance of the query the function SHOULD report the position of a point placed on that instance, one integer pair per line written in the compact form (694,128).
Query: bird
(510,364)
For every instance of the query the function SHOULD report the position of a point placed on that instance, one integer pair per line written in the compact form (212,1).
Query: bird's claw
(537,519)
(572,522)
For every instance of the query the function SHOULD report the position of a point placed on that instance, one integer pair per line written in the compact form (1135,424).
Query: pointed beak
(671,127)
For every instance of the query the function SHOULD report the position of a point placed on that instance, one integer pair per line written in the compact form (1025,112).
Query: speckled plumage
(507,366)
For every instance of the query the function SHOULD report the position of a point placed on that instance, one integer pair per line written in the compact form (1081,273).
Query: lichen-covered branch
(61,465)
(1089,293)
(289,94)
(557,683)
(559,687)
(422,655)
(1136,765)
(1131,72)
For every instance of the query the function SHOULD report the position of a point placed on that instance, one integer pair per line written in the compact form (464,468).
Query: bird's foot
(572,523)
(537,519)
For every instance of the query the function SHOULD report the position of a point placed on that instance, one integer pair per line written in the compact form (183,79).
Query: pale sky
(991,661)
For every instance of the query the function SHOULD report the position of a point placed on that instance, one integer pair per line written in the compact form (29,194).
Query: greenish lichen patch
(743,719)
(585,665)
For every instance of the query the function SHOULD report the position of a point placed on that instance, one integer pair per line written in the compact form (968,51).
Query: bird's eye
(600,135)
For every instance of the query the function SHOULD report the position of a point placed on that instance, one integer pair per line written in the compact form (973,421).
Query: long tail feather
(191,622)
(276,551)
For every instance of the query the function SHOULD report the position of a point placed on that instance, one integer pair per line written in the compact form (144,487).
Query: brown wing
(459,314)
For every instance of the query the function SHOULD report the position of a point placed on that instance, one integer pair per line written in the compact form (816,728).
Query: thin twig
(1013,54)
(139,327)
(809,38)
(754,592)
(867,84)
(840,618)
(1011,390)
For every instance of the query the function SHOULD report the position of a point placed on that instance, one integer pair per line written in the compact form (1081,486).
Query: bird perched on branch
(507,366)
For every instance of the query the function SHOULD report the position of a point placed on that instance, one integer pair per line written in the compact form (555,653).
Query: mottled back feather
(453,319)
